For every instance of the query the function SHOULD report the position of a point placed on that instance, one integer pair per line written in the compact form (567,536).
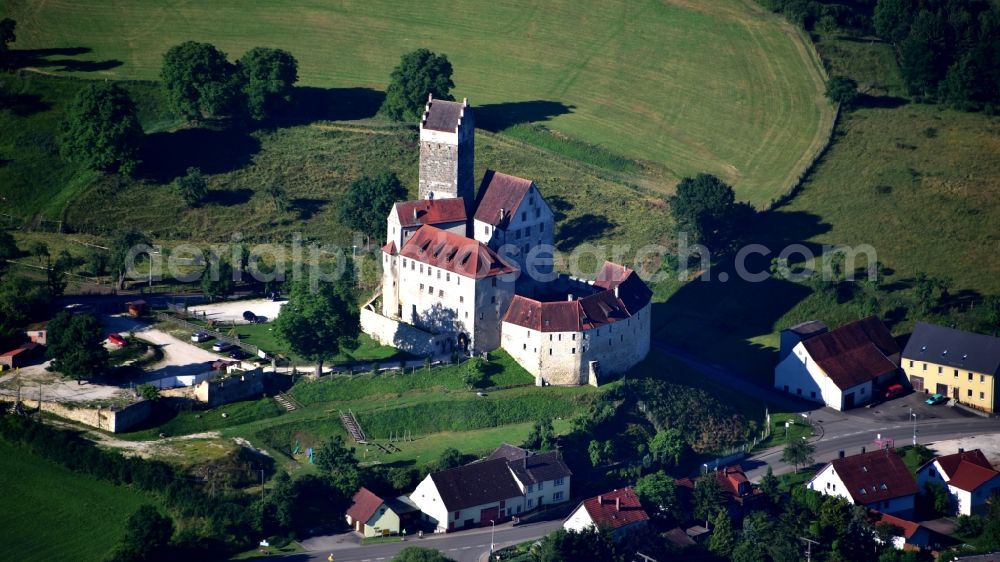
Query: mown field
(721,86)
(51,513)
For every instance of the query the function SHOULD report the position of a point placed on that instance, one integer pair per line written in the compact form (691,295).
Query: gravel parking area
(232,311)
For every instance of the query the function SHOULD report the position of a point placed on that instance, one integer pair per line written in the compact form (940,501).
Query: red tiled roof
(585,313)
(909,528)
(500,191)
(443,115)
(881,474)
(854,353)
(390,248)
(615,509)
(734,482)
(430,211)
(949,463)
(364,504)
(969,476)
(29,347)
(454,253)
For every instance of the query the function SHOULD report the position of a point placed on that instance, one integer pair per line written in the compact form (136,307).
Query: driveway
(231,312)
(179,357)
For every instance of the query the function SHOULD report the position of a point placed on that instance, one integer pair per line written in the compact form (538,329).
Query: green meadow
(721,86)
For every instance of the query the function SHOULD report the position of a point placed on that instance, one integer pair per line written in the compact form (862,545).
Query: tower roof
(444,115)
(500,192)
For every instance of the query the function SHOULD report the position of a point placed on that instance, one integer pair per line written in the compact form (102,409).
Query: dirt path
(144,449)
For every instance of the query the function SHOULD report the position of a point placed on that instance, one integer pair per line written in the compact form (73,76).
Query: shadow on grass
(312,104)
(559,207)
(167,155)
(499,116)
(879,102)
(734,309)
(40,58)
(23,105)
(307,207)
(228,197)
(582,229)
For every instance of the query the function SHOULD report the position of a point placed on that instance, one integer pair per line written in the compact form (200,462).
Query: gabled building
(23,355)
(371,516)
(508,483)
(618,510)
(910,536)
(740,494)
(876,480)
(960,365)
(842,368)
(968,476)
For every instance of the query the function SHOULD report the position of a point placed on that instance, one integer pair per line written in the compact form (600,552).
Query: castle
(470,272)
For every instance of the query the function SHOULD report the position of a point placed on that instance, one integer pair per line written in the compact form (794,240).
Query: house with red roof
(466,271)
(909,535)
(371,515)
(842,368)
(968,476)
(618,510)
(876,480)
(25,354)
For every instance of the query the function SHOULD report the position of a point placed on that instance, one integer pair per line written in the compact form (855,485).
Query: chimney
(600,500)
(961,450)
(616,291)
(414,213)
(618,504)
(503,213)
(841,454)
(862,450)
(569,297)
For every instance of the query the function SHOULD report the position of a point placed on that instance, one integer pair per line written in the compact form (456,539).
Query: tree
(147,533)
(419,554)
(217,278)
(148,392)
(842,90)
(318,322)
(75,345)
(96,262)
(101,129)
(278,196)
(798,452)
(369,200)
(268,77)
(21,300)
(667,447)
(199,81)
(450,458)
(192,187)
(659,491)
(706,208)
(723,539)
(8,247)
(475,373)
(125,246)
(419,73)
(707,497)
(588,545)
(7,36)
(542,436)
(601,452)
(337,460)
(56,273)
(892,19)
(769,485)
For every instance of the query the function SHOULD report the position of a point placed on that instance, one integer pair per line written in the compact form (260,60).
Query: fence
(248,347)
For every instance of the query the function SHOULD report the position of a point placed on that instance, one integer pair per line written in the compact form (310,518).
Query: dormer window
(923,348)
(863,492)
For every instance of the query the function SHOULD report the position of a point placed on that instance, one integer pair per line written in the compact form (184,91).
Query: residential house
(38,333)
(509,482)
(618,510)
(842,368)
(877,480)
(960,365)
(373,516)
(23,355)
(740,494)
(969,478)
(910,535)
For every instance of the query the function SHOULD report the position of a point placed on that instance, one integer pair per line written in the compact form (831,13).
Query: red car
(894,391)
(117,339)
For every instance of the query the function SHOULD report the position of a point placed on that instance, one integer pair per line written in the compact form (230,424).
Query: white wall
(531,225)
(578,520)
(805,378)
(828,483)
(966,503)
(427,498)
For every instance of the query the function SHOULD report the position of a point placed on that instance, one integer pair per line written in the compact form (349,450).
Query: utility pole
(913,416)
(809,543)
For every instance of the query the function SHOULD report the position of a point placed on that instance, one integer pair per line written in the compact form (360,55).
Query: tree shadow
(39,58)
(228,197)
(499,116)
(312,104)
(581,229)
(722,314)
(559,207)
(23,105)
(307,207)
(167,155)
(867,101)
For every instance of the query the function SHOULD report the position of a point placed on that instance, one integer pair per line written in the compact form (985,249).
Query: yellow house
(373,516)
(960,365)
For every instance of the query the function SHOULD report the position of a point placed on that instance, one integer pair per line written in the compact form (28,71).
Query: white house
(618,510)
(909,536)
(969,478)
(509,482)
(843,368)
(877,480)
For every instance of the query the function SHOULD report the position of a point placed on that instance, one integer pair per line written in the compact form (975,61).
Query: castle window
(573,337)
(538,213)
(412,266)
(404,262)
(550,351)
(440,294)
(560,337)
(550,337)
(524,216)
(573,351)
(526,347)
(421,287)
(527,230)
(421,268)
(466,314)
(461,299)
(430,290)
(493,299)
(439,274)
(447,277)
(486,230)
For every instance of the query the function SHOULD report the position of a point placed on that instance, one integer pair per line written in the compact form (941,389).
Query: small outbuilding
(24,355)
(136,308)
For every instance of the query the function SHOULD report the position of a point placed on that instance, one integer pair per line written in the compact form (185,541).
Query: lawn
(51,513)
(722,86)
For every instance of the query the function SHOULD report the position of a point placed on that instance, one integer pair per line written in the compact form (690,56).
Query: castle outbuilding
(471,272)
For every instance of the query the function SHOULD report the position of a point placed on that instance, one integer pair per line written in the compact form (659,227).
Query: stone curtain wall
(115,421)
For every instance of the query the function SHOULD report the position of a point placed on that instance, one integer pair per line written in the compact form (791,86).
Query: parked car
(117,339)
(237,354)
(199,337)
(249,316)
(936,398)
(894,391)
(221,346)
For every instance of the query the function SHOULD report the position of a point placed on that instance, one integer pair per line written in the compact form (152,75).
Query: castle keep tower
(447,151)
